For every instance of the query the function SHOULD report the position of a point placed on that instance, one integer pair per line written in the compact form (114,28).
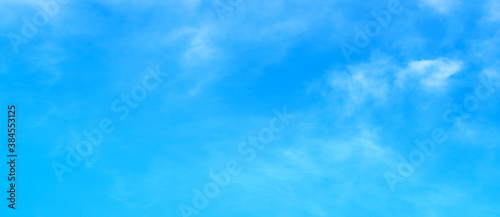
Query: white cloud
(200,47)
(313,156)
(359,83)
(431,74)
(363,148)
(197,48)
(197,43)
(380,82)
(441,6)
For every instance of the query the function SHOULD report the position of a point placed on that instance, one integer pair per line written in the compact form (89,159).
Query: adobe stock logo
(94,137)
(456,115)
(249,149)
(31,27)
(371,29)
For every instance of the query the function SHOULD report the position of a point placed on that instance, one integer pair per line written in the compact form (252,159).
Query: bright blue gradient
(223,73)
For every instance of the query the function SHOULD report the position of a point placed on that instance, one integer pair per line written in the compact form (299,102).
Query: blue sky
(219,76)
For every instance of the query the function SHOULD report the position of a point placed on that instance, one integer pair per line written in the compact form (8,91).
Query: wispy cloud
(359,83)
(431,74)
(492,10)
(441,6)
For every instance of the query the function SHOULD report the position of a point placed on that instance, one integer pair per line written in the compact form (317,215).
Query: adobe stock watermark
(455,116)
(249,150)
(30,28)
(94,137)
(372,29)
(223,7)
